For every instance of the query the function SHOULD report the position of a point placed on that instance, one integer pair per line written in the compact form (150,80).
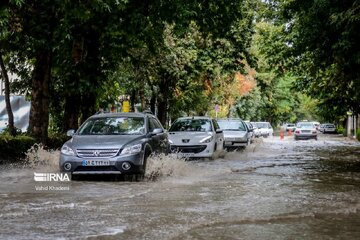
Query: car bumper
(115,165)
(240,142)
(193,151)
(305,136)
(329,130)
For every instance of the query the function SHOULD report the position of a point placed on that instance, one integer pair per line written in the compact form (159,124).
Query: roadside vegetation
(277,61)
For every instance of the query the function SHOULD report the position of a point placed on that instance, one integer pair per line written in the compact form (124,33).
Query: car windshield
(113,126)
(191,125)
(232,125)
(262,125)
(330,126)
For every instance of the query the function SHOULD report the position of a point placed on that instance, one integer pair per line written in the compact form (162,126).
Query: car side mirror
(70,132)
(156,131)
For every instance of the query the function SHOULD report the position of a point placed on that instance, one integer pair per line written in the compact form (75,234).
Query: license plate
(228,143)
(187,154)
(95,163)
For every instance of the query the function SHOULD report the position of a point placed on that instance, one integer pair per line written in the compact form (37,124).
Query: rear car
(329,128)
(196,137)
(236,133)
(115,143)
(305,130)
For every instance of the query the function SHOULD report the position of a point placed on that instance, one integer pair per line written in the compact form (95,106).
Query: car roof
(194,117)
(122,114)
(229,119)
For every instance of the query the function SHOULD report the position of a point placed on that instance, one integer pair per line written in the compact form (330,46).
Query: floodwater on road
(274,189)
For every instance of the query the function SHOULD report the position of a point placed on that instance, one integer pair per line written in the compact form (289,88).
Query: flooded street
(275,189)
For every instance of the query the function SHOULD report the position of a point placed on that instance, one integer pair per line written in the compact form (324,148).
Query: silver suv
(114,143)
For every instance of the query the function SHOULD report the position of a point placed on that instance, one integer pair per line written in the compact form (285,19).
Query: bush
(358,134)
(341,130)
(14,148)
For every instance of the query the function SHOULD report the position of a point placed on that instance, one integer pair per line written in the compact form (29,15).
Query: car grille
(188,149)
(96,153)
(235,139)
(95,168)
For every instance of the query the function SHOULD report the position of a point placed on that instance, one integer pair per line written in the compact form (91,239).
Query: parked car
(328,128)
(113,143)
(198,136)
(236,133)
(305,130)
(251,128)
(265,129)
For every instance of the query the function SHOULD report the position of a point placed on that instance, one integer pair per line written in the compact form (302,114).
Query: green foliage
(341,130)
(324,39)
(358,134)
(14,148)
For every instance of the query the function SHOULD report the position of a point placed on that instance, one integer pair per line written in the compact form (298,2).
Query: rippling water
(274,189)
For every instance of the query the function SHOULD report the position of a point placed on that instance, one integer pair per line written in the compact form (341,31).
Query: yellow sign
(125,106)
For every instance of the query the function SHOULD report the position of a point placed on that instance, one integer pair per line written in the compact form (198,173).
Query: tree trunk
(153,103)
(39,112)
(72,112)
(162,111)
(88,106)
(11,126)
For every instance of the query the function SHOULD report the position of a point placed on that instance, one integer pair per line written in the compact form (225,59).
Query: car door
(219,135)
(160,140)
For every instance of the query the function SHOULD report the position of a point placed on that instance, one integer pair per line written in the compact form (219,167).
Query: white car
(328,128)
(196,137)
(265,129)
(305,130)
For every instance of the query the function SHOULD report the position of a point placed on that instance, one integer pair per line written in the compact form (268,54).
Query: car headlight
(133,149)
(171,142)
(67,151)
(207,139)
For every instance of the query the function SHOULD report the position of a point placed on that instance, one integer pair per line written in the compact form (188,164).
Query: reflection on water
(278,189)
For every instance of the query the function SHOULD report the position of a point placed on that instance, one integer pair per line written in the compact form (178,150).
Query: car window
(216,125)
(113,126)
(233,125)
(191,125)
(249,125)
(262,125)
(153,124)
(306,125)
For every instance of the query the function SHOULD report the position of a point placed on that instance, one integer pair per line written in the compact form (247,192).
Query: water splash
(38,157)
(159,166)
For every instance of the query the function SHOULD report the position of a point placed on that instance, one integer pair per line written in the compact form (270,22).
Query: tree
(4,18)
(5,77)
(324,39)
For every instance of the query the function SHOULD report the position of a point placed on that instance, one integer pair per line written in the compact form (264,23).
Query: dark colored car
(114,143)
